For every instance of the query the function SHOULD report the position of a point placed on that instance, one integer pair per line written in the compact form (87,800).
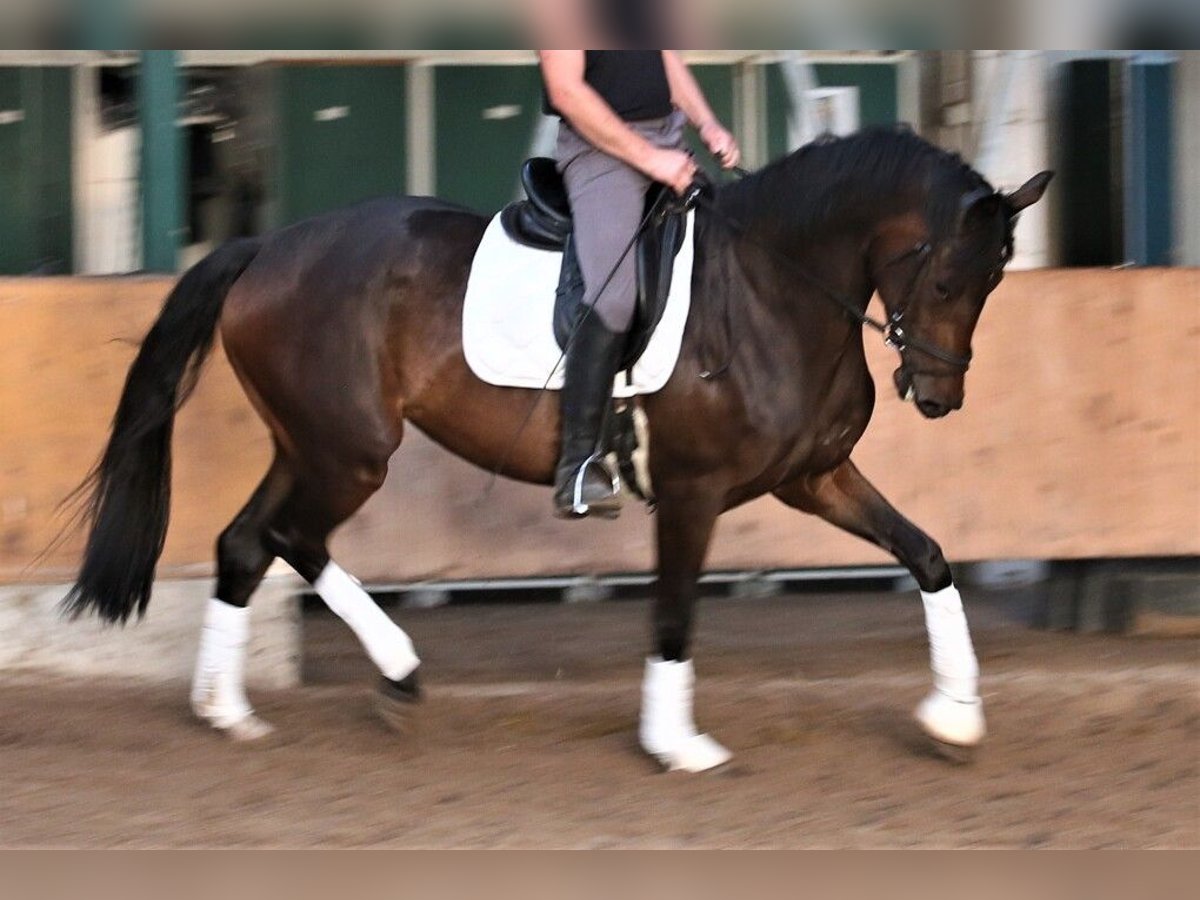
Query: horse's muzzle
(931,407)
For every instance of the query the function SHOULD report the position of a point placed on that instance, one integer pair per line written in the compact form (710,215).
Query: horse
(344,327)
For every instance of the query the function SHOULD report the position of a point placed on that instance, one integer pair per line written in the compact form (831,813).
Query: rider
(623,114)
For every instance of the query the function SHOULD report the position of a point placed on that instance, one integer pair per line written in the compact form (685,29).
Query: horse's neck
(827,253)
(754,289)
(814,283)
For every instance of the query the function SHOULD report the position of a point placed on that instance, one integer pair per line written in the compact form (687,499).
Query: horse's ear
(1029,193)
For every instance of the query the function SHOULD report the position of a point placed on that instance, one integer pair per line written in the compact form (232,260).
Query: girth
(544,221)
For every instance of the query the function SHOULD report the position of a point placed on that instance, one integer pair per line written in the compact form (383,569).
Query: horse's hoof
(248,730)
(396,700)
(696,754)
(956,727)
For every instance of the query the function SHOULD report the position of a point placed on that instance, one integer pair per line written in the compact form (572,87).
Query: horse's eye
(942,292)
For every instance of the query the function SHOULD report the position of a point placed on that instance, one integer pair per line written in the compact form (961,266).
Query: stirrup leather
(578,507)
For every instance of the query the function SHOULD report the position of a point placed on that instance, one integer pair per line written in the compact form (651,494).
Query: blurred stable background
(1072,473)
(242,141)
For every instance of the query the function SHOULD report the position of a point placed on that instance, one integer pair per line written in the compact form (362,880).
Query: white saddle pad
(508,317)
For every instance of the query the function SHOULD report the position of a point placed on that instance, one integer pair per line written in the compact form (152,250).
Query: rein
(894,335)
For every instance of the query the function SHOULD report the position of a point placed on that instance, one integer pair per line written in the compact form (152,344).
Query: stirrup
(578,507)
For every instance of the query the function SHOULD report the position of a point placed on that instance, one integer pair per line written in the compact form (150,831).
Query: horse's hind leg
(243,556)
(300,533)
(953,713)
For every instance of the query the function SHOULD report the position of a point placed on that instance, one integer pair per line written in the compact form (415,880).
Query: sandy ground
(526,739)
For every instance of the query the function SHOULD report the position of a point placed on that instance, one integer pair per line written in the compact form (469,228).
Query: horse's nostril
(932,409)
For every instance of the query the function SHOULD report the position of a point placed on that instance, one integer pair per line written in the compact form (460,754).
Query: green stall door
(35,171)
(485,118)
(343,133)
(878,97)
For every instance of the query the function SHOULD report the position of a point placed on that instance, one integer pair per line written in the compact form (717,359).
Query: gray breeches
(608,200)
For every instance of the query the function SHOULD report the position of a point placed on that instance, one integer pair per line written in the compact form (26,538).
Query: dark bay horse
(343,327)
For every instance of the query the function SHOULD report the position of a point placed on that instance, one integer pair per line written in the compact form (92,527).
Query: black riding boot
(591,365)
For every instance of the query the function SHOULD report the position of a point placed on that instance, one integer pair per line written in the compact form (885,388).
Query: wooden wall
(1080,438)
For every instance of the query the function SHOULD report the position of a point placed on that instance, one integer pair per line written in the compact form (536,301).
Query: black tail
(129,491)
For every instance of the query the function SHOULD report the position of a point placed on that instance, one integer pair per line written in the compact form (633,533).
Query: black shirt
(633,82)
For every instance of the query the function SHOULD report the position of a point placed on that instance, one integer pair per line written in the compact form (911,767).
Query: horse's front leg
(953,712)
(667,731)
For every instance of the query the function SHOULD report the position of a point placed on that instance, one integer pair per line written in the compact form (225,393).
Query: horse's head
(934,289)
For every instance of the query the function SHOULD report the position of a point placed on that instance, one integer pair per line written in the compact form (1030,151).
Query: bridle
(893,331)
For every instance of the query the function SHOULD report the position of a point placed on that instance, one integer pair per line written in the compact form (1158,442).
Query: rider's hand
(674,168)
(721,144)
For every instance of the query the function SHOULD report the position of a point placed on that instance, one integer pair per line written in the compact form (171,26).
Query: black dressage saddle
(544,221)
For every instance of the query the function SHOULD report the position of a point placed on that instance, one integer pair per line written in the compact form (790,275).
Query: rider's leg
(581,487)
(608,203)
(607,199)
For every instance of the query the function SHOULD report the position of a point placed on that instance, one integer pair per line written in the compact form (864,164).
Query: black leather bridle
(893,331)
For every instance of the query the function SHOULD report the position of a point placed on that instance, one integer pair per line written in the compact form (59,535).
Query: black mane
(847,179)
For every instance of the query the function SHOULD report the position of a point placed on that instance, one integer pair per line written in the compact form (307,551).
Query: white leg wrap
(218,694)
(385,642)
(667,730)
(953,713)
(955,670)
